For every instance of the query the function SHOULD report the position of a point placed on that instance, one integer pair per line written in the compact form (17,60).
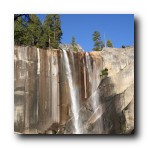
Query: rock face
(69,47)
(58,92)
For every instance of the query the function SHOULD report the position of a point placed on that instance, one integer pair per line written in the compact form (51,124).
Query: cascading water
(93,80)
(89,67)
(38,64)
(74,100)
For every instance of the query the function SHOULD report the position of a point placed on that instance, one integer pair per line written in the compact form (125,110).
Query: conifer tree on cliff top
(109,43)
(52,25)
(34,27)
(73,44)
(28,30)
(21,34)
(97,41)
(73,41)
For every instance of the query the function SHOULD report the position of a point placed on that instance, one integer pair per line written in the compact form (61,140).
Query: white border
(7,10)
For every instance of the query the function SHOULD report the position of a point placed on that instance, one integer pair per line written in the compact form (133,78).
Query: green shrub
(104,72)
(75,49)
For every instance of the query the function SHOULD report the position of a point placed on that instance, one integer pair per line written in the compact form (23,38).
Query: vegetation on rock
(97,41)
(104,72)
(28,30)
(109,43)
(73,44)
(123,46)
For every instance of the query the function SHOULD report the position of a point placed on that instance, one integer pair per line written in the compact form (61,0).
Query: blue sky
(119,28)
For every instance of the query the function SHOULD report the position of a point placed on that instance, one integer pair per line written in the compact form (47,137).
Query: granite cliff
(65,92)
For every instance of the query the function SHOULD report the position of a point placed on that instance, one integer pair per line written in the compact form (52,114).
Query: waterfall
(88,66)
(38,64)
(93,80)
(74,100)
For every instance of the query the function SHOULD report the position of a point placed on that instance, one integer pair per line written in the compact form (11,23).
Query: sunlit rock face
(69,47)
(63,92)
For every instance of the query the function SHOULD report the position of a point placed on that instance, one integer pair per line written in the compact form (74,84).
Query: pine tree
(34,28)
(21,35)
(52,25)
(102,45)
(73,41)
(44,38)
(56,31)
(48,24)
(17,31)
(28,30)
(109,43)
(73,44)
(97,41)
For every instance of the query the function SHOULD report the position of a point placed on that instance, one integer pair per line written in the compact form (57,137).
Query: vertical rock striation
(61,92)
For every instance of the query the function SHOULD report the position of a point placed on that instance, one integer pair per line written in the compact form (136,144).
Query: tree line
(98,43)
(30,31)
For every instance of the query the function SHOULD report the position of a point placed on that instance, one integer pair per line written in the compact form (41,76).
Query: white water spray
(94,80)
(74,100)
(38,65)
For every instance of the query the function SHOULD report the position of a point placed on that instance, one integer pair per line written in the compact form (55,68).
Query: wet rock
(42,95)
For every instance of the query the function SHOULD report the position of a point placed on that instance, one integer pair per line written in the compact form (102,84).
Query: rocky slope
(42,92)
